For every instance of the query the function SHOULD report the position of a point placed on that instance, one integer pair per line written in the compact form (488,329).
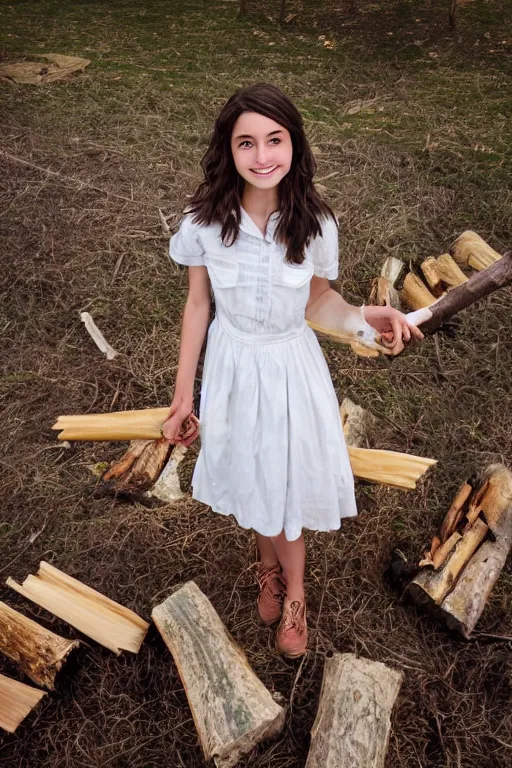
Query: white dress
(273,453)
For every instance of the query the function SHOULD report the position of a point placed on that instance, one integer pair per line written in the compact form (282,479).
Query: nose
(261,155)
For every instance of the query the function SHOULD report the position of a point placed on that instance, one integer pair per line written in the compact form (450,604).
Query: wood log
(98,617)
(431,587)
(449,271)
(383,290)
(352,725)
(137,470)
(16,701)
(471,250)
(478,286)
(167,488)
(465,604)
(232,709)
(429,269)
(415,293)
(36,651)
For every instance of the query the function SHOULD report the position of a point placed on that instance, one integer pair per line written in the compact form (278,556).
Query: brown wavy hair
(218,198)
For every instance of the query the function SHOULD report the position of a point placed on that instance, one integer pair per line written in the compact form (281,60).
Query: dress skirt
(273,453)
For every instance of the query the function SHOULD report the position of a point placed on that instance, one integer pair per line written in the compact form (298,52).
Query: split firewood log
(98,617)
(471,250)
(356,423)
(429,269)
(16,701)
(415,293)
(36,651)
(352,725)
(449,271)
(232,709)
(383,290)
(471,558)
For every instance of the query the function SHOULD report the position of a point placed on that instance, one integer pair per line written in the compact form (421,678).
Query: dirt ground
(410,122)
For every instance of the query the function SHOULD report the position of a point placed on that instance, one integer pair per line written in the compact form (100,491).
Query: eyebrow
(246,135)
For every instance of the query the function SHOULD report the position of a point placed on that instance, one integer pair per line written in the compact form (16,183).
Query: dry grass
(399,142)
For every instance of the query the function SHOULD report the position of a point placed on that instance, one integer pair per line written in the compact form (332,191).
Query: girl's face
(262,150)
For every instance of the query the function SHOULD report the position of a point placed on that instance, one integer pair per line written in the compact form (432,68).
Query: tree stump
(36,651)
(352,725)
(232,709)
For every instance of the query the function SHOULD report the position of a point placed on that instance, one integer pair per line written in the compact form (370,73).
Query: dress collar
(248,226)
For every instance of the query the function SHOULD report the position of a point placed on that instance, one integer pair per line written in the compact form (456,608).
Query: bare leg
(266,549)
(292,556)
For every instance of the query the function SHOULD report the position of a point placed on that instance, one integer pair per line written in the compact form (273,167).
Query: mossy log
(352,725)
(232,709)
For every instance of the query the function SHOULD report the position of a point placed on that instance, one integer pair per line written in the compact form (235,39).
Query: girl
(273,453)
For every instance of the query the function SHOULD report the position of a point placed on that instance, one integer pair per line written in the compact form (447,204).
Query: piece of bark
(479,285)
(232,709)
(97,336)
(449,271)
(471,250)
(92,613)
(429,269)
(127,460)
(444,550)
(356,422)
(36,651)
(415,293)
(352,725)
(431,587)
(16,701)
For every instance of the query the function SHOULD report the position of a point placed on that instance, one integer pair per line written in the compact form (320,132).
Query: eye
(275,140)
(245,143)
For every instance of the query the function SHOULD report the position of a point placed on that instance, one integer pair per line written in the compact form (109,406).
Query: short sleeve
(185,246)
(324,250)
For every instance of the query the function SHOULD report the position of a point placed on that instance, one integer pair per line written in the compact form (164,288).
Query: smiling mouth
(264,171)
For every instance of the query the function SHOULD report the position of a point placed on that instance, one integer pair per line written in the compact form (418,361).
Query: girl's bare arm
(196,317)
(329,309)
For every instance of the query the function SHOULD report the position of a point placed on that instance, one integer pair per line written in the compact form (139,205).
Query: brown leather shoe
(272,592)
(292,633)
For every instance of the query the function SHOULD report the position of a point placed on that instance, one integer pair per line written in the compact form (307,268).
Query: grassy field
(411,125)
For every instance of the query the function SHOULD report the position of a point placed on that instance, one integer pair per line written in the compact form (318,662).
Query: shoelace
(291,618)
(264,577)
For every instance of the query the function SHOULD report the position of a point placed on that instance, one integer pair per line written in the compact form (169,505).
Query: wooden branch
(98,617)
(16,701)
(352,725)
(415,293)
(36,651)
(471,250)
(97,336)
(477,287)
(232,709)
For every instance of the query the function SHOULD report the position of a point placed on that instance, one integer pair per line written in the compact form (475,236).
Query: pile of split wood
(467,555)
(436,275)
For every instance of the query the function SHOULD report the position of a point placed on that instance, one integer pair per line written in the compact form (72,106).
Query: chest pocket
(223,273)
(295,275)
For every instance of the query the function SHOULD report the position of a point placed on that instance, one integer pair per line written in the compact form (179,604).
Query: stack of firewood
(467,555)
